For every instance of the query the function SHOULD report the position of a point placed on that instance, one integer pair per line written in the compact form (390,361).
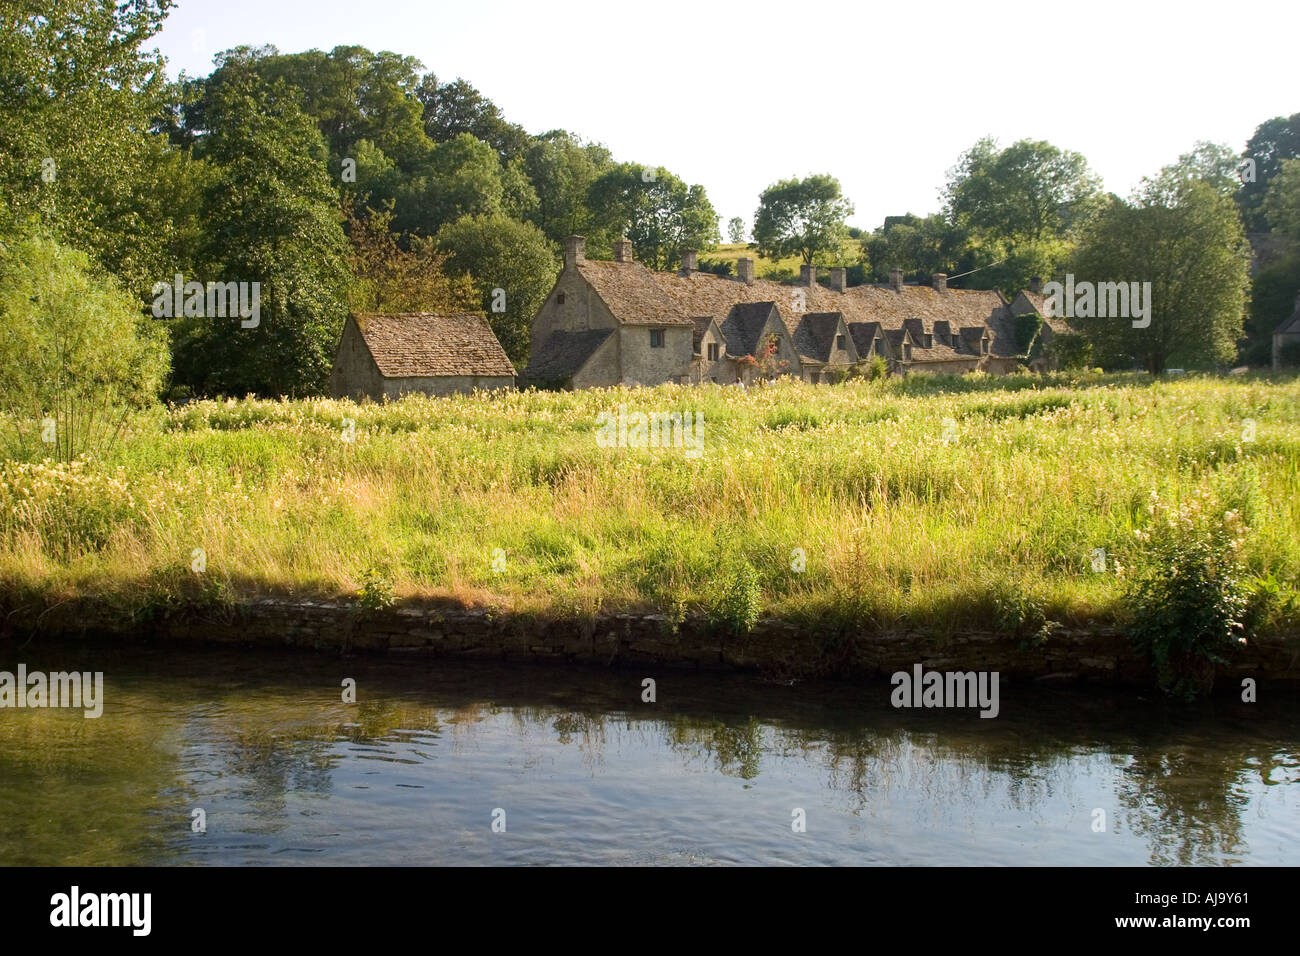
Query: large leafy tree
(451,109)
(463,177)
(79,96)
(272,217)
(1185,237)
(562,168)
(660,213)
(1274,140)
(919,246)
(803,217)
(512,265)
(1282,202)
(1030,190)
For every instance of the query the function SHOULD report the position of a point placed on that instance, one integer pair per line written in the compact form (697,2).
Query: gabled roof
(814,334)
(419,344)
(744,324)
(557,357)
(864,333)
(1291,324)
(701,323)
(1040,303)
(633,295)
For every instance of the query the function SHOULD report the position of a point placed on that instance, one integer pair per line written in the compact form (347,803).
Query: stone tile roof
(743,325)
(418,344)
(561,354)
(1056,323)
(1291,324)
(633,295)
(864,333)
(814,336)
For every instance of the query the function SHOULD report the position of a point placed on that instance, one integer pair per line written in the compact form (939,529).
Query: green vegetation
(900,527)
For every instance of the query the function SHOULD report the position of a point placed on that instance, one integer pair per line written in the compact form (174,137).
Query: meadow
(938,503)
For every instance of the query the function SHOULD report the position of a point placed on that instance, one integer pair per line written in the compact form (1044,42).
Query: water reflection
(587,772)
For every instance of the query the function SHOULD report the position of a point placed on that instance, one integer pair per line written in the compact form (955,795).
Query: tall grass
(923,502)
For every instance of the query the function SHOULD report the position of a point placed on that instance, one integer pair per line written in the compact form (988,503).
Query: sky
(735,96)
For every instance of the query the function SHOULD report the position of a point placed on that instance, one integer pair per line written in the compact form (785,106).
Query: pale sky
(736,96)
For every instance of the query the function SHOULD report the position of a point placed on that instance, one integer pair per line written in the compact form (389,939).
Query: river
(253,757)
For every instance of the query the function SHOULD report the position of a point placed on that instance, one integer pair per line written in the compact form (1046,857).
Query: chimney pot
(940,282)
(623,250)
(745,269)
(574,250)
(896,279)
(807,275)
(839,279)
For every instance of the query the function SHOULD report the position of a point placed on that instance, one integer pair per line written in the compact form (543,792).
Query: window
(656,338)
(559,299)
(880,347)
(713,351)
(907,353)
(839,342)
(984,346)
(929,341)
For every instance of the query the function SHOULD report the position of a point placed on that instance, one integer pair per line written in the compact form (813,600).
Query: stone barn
(387,356)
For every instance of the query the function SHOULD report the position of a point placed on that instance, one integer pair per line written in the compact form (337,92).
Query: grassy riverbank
(942,504)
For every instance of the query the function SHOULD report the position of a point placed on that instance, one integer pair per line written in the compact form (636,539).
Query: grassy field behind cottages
(934,503)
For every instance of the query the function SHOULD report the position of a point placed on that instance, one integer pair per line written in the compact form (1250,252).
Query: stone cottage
(619,323)
(386,356)
(1288,333)
(1033,301)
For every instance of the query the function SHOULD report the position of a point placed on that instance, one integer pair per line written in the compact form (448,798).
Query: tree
(1273,141)
(1030,190)
(562,168)
(272,219)
(736,229)
(76,357)
(1186,239)
(655,209)
(1282,201)
(78,100)
(801,217)
(918,246)
(513,266)
(390,278)
(463,177)
(456,108)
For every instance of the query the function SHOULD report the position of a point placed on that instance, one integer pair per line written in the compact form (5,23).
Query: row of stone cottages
(619,323)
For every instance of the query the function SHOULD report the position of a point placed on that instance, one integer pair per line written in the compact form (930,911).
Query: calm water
(585,772)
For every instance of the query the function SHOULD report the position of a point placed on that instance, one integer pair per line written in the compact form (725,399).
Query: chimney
(896,279)
(940,281)
(689,261)
(574,250)
(1035,284)
(745,269)
(623,250)
(807,275)
(839,279)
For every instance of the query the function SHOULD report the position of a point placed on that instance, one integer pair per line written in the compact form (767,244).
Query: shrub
(738,599)
(877,368)
(1190,593)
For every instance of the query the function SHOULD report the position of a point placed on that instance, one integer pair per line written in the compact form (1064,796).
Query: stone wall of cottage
(395,388)
(643,365)
(722,371)
(355,374)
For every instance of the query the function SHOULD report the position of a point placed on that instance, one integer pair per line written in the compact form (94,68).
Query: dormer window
(839,342)
(929,341)
(880,347)
(559,299)
(713,351)
(984,346)
(907,352)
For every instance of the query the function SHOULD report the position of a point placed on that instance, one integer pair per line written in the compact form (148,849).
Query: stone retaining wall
(774,648)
